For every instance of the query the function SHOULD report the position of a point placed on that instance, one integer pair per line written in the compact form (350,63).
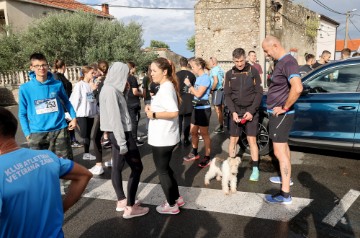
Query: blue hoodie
(34,114)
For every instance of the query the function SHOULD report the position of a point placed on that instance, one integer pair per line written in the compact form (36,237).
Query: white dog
(227,169)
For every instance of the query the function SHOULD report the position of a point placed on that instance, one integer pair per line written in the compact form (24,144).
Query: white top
(164,132)
(83,100)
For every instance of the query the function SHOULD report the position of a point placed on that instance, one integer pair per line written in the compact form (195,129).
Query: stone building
(223,25)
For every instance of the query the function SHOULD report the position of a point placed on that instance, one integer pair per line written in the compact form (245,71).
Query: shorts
(218,97)
(201,117)
(251,127)
(280,126)
(56,141)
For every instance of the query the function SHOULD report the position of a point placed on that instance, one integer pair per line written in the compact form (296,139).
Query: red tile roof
(73,6)
(353,45)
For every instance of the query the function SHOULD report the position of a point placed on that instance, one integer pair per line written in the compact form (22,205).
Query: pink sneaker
(166,209)
(180,201)
(135,211)
(120,206)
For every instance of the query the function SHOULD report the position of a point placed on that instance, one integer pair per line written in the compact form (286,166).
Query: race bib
(90,97)
(46,106)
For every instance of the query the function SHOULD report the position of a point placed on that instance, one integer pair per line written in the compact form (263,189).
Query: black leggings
(186,119)
(162,156)
(132,157)
(85,125)
(96,138)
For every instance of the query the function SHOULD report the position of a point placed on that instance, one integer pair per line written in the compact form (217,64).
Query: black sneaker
(219,129)
(106,144)
(186,143)
(205,162)
(139,143)
(76,144)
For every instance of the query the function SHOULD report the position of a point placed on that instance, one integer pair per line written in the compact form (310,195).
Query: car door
(326,117)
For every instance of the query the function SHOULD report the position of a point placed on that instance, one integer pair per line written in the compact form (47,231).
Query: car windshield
(340,79)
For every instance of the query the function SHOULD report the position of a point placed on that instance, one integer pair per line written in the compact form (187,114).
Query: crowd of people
(104,108)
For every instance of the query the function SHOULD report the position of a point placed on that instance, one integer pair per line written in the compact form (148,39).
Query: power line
(327,8)
(354,25)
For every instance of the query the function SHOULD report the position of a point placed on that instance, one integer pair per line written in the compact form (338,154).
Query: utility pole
(347,29)
(261,38)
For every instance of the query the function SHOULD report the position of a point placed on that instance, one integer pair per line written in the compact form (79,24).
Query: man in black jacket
(243,93)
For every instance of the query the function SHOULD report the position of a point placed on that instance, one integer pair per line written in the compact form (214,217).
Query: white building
(326,38)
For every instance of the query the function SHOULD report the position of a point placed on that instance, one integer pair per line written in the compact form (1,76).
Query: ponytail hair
(201,62)
(165,64)
(58,64)
(84,70)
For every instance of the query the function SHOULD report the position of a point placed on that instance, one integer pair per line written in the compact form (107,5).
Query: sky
(174,27)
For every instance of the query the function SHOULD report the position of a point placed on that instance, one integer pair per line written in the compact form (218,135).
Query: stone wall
(223,25)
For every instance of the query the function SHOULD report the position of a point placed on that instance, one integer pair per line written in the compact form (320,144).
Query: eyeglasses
(44,66)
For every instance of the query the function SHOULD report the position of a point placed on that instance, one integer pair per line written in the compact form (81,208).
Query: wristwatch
(154,115)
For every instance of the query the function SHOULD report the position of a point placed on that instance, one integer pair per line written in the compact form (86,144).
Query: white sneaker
(88,156)
(108,163)
(97,170)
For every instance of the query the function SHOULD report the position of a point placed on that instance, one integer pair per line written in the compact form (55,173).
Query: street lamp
(347,26)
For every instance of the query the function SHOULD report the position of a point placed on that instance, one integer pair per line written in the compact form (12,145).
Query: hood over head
(117,75)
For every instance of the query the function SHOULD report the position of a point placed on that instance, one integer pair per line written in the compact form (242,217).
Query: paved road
(326,199)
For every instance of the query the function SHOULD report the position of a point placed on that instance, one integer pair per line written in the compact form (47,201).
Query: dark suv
(327,113)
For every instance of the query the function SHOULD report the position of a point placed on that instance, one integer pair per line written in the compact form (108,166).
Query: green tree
(190,44)
(80,39)
(10,57)
(158,44)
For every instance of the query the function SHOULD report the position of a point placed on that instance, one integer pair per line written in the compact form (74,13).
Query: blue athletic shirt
(30,197)
(203,80)
(217,71)
(41,105)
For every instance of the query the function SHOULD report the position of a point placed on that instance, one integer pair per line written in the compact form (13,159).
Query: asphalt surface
(326,198)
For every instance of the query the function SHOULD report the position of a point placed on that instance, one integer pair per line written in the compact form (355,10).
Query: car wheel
(263,139)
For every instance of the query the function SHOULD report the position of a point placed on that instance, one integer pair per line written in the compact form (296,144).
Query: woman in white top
(163,132)
(83,100)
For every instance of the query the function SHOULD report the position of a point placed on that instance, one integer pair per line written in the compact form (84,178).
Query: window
(341,79)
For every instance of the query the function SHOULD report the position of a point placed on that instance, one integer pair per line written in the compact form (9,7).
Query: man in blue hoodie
(41,113)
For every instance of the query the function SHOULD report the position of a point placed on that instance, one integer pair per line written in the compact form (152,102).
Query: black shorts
(251,127)
(280,126)
(201,117)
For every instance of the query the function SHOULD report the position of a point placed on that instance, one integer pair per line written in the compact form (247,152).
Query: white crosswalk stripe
(204,199)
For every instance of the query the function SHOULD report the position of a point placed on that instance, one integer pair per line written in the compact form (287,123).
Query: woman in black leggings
(163,132)
(114,118)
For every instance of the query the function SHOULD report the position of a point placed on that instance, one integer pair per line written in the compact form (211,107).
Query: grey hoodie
(114,115)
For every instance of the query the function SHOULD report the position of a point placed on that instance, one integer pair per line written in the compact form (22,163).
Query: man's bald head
(213,61)
(272,47)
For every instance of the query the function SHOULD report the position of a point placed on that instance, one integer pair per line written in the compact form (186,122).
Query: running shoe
(186,143)
(255,174)
(97,170)
(277,180)
(278,198)
(108,163)
(88,156)
(191,157)
(76,144)
(205,162)
(165,208)
(180,201)
(219,129)
(135,211)
(120,205)
(139,143)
